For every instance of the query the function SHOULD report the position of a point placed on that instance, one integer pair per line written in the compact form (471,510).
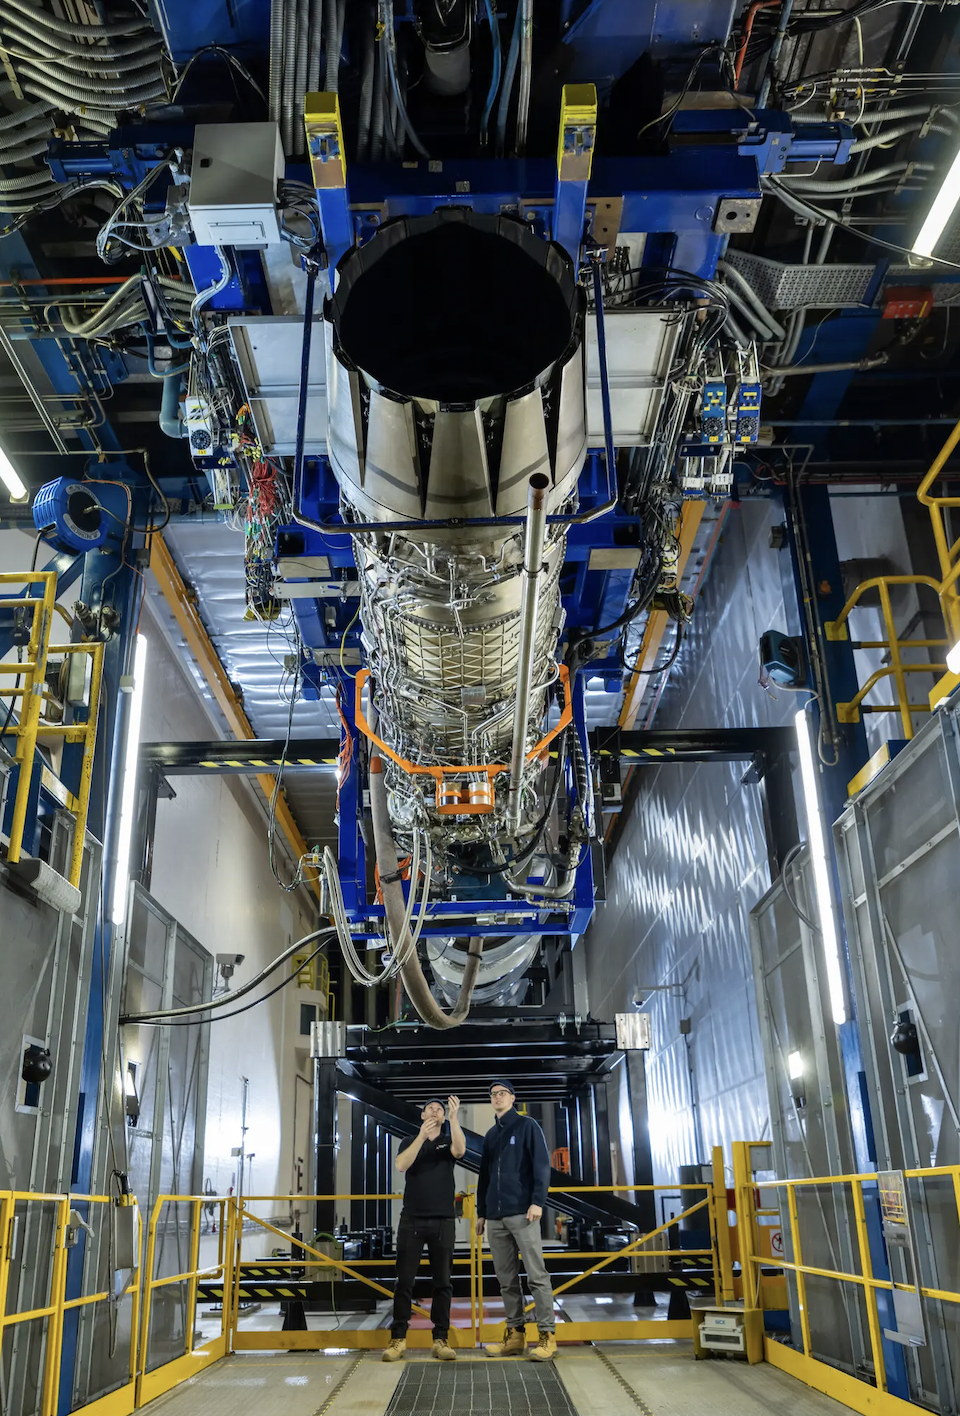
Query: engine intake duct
(455,369)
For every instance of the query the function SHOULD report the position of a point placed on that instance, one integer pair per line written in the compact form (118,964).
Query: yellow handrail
(33,670)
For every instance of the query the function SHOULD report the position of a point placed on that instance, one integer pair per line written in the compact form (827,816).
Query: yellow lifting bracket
(324,129)
(578,132)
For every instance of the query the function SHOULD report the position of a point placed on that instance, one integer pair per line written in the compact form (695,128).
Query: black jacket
(514,1167)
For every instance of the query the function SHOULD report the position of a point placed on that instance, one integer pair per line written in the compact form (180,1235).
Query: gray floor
(664,1375)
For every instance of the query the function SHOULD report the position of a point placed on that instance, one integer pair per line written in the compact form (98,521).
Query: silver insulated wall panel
(809,1125)
(898,848)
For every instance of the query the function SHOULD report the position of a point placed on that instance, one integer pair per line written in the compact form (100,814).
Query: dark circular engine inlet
(455,307)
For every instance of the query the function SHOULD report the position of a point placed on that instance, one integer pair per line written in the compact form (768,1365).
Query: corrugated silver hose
(276,59)
(298,135)
(414,980)
(289,75)
(315,45)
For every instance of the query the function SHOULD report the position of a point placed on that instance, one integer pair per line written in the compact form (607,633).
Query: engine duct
(455,375)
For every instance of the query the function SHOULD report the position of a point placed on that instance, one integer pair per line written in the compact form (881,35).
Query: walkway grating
(493,1388)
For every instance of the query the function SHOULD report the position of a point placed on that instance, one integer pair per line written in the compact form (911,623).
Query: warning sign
(776,1243)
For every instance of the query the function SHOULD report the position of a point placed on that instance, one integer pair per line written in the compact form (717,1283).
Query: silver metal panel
(47,957)
(808,1119)
(689,865)
(898,848)
(165,967)
(640,346)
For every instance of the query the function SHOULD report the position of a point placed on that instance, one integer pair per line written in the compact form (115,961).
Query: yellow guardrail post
(227,1255)
(194,1265)
(935,505)
(723,1260)
(870,1293)
(147,1299)
(89,739)
(31,696)
(58,1276)
(749,1245)
(6,1246)
(797,1252)
(470,1213)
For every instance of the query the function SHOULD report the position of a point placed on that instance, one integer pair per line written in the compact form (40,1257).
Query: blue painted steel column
(351,854)
(105,579)
(578,131)
(328,166)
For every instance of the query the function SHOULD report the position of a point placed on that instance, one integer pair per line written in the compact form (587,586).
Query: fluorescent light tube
(795,1066)
(128,797)
(940,213)
(12,480)
(953,659)
(821,871)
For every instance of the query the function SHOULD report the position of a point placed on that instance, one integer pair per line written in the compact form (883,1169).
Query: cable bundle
(93,71)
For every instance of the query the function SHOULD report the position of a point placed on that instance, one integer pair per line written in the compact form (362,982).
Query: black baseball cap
(438,1099)
(507,1086)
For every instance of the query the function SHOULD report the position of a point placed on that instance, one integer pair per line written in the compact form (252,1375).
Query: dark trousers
(439,1235)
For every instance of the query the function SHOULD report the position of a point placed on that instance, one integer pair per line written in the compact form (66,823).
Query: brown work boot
(443,1351)
(396,1350)
(514,1344)
(546,1348)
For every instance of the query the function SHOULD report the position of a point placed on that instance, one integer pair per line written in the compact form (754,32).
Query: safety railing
(155,1378)
(742,1271)
(897,669)
(53,1311)
(322,1265)
(947,589)
(39,610)
(862,1190)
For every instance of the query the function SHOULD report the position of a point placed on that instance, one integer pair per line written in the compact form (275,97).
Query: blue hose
(151,365)
(495,76)
(170,421)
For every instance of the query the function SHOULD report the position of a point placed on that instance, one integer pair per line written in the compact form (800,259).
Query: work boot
(396,1350)
(443,1351)
(546,1348)
(514,1344)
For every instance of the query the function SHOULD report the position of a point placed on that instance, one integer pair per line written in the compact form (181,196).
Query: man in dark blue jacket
(511,1194)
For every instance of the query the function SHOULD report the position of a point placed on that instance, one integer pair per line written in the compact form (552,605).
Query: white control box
(722,1330)
(233,184)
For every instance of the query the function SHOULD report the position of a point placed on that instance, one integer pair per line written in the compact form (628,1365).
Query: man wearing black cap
(511,1194)
(427,1218)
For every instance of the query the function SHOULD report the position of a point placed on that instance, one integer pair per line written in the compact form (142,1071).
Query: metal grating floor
(478,1388)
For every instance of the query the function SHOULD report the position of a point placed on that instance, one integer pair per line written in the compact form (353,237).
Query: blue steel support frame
(103,822)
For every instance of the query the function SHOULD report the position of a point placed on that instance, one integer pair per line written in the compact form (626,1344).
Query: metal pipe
(414,981)
(860,365)
(526,71)
(534,543)
(35,397)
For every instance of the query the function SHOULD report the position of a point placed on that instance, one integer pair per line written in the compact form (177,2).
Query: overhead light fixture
(12,480)
(816,843)
(795,1066)
(131,1099)
(953,659)
(128,796)
(944,205)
